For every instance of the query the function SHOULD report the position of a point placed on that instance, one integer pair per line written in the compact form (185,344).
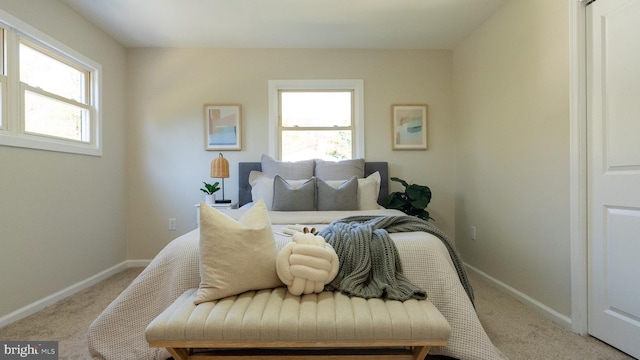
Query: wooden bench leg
(179,353)
(420,352)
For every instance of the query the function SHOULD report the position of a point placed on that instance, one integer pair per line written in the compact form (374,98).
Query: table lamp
(220,169)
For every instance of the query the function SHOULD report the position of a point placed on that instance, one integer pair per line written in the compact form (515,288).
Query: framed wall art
(222,127)
(409,127)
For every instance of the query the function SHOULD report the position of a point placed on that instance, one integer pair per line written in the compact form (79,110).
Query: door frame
(578,206)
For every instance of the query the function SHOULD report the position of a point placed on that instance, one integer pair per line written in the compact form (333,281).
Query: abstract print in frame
(409,127)
(222,127)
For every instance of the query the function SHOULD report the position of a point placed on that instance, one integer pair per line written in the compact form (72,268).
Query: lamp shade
(219,167)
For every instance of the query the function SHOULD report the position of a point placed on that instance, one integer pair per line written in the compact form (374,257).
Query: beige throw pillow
(236,256)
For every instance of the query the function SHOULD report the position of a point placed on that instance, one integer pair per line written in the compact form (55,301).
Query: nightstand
(219,206)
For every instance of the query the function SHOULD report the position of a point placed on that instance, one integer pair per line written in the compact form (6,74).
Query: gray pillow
(297,170)
(288,198)
(344,197)
(339,170)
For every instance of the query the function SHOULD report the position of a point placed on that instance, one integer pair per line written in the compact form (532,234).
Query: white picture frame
(222,127)
(409,127)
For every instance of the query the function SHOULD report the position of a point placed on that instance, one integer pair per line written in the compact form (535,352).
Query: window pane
(47,116)
(3,58)
(322,144)
(42,71)
(316,109)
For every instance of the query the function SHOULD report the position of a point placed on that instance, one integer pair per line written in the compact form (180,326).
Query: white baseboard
(137,263)
(53,298)
(541,308)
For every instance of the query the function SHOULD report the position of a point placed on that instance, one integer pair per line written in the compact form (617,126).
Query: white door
(613,85)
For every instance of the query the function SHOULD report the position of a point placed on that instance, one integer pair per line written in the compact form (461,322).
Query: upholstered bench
(273,322)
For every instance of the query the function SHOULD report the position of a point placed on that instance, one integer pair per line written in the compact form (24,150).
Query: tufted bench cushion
(274,318)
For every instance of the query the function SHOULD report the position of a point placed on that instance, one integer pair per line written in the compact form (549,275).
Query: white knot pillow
(306,264)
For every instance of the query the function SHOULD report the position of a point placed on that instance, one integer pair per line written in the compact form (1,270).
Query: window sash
(85,123)
(3,103)
(318,113)
(356,86)
(12,123)
(85,83)
(314,129)
(3,46)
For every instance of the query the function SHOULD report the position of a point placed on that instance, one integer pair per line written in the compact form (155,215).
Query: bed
(118,333)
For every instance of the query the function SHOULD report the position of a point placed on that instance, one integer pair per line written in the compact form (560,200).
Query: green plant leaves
(412,201)
(404,183)
(210,188)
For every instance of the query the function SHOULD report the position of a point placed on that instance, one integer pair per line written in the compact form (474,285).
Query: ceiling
(372,24)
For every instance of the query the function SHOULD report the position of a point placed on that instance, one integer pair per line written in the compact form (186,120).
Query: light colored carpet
(67,321)
(519,332)
(523,334)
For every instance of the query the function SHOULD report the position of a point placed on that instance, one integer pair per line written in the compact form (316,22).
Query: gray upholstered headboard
(244,189)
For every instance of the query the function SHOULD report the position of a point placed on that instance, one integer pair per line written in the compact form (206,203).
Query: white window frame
(12,130)
(355,85)
(3,105)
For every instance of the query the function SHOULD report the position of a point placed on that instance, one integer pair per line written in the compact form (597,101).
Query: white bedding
(118,333)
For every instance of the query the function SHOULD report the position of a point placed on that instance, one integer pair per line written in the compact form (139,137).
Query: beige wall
(62,216)
(168,87)
(498,148)
(511,91)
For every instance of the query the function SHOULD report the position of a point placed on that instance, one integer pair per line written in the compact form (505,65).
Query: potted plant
(412,201)
(209,191)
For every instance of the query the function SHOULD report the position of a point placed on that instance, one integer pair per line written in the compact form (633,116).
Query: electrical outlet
(473,232)
(172,224)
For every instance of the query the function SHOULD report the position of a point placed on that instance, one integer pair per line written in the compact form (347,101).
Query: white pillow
(368,191)
(262,187)
(236,256)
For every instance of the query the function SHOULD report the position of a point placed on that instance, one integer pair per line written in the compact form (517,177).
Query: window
(316,119)
(316,124)
(55,96)
(49,93)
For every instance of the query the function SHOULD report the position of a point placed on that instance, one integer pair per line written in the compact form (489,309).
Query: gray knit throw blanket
(369,262)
